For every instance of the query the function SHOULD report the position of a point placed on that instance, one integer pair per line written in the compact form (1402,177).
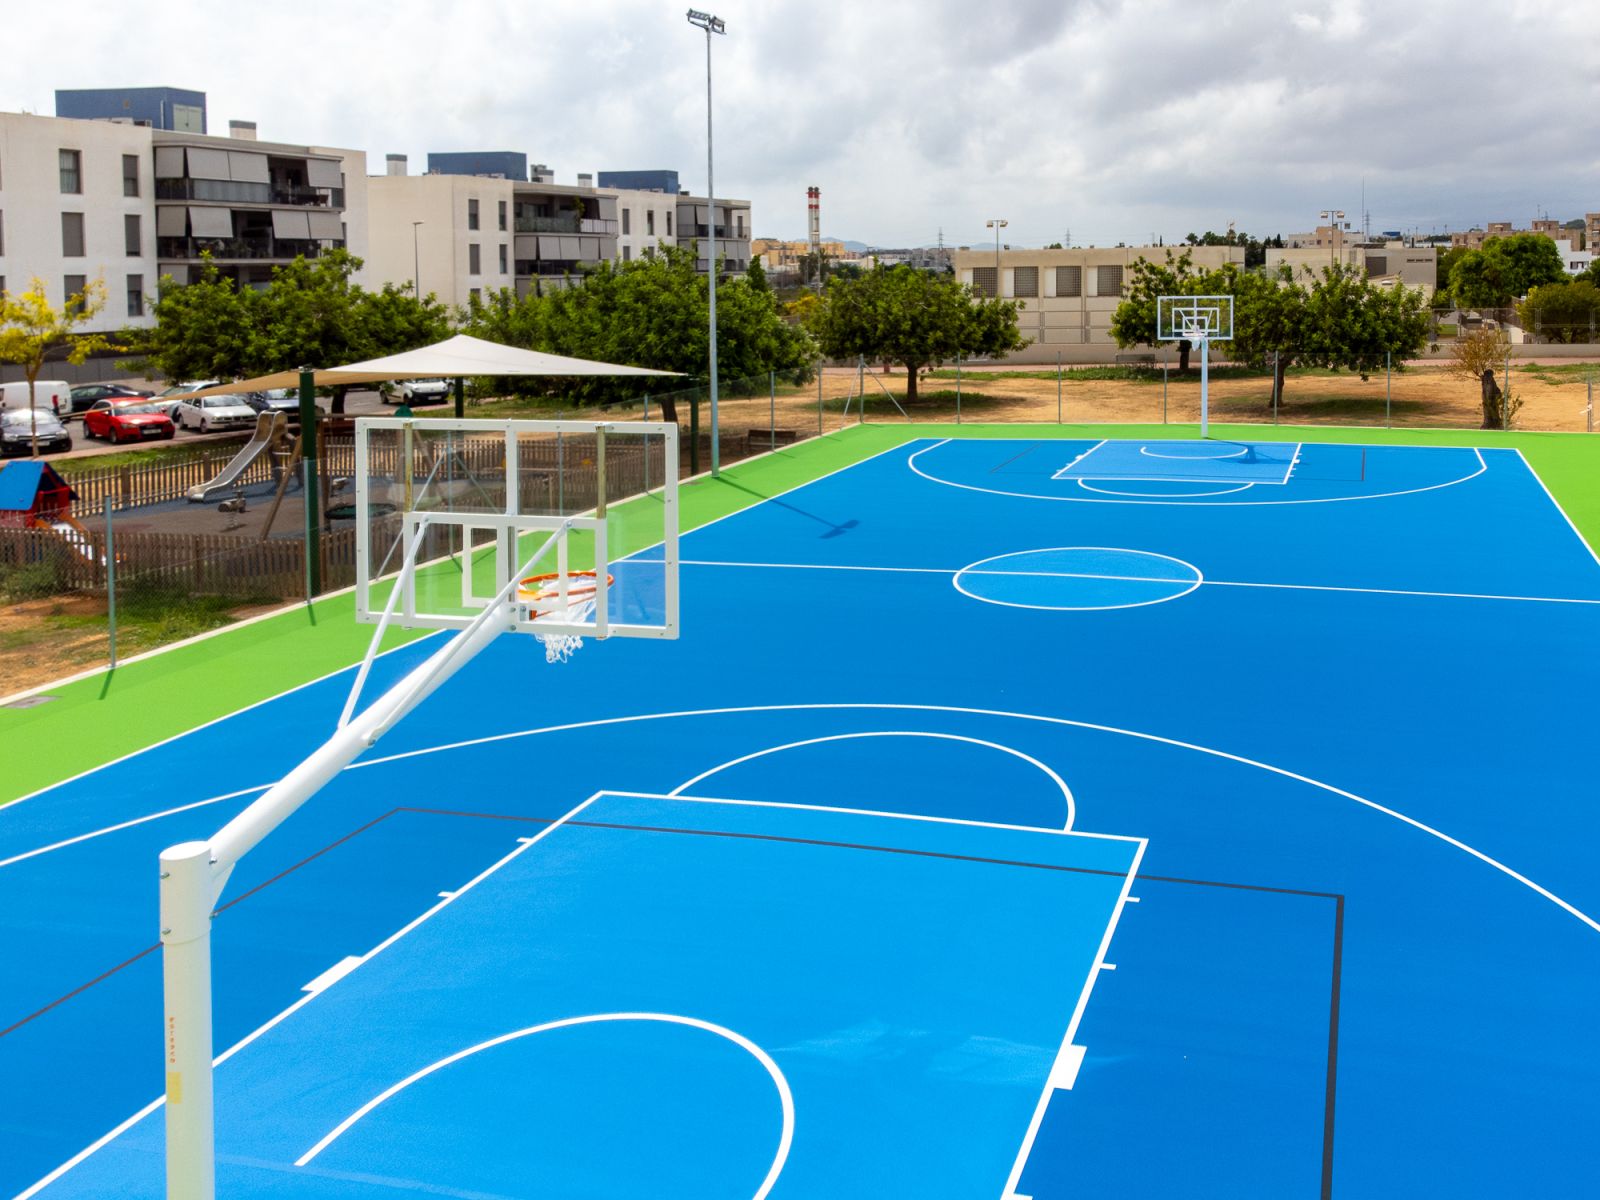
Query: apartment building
(779,255)
(456,233)
(1473,239)
(127,203)
(1387,264)
(1068,296)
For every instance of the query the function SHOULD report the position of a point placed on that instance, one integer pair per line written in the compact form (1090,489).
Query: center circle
(1078,578)
(1207,450)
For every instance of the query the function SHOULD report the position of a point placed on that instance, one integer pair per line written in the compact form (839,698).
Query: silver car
(19,427)
(207,413)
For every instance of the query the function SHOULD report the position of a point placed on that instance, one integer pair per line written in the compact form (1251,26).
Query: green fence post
(461,397)
(1058,387)
(819,399)
(309,450)
(772,408)
(958,389)
(111,581)
(694,435)
(1388,388)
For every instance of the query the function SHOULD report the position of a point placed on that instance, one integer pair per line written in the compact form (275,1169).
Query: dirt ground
(1420,397)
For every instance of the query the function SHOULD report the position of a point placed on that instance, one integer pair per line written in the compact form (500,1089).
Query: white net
(564,600)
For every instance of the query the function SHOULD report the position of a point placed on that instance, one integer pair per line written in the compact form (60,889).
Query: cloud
(1117,119)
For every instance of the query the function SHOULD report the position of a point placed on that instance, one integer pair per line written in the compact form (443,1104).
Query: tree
(756,276)
(31,329)
(899,314)
(1562,312)
(650,312)
(310,314)
(1505,269)
(1476,356)
(1591,274)
(1134,321)
(1443,265)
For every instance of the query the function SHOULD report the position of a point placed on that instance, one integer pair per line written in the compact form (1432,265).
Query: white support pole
(1205,387)
(186,898)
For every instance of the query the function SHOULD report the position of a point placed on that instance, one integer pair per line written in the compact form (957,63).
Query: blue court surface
(1012,819)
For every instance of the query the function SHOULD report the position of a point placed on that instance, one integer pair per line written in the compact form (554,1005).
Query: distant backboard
(1194,318)
(469,503)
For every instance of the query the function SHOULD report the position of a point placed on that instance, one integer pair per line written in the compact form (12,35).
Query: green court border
(110,714)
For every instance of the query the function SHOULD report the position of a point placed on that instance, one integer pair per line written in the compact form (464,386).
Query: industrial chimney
(395,164)
(814,214)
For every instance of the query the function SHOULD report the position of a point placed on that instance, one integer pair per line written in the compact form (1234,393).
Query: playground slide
(77,537)
(269,427)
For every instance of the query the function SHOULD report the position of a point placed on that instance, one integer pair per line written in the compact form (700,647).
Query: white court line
(911,462)
(1060,783)
(1291,587)
(129,824)
(1149,453)
(973,569)
(1063,1072)
(1583,541)
(785,1096)
(99,1143)
(1224,491)
(1063,471)
(860,706)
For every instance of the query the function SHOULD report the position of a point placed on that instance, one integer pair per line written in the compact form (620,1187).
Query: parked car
(49,394)
(207,413)
(86,396)
(18,427)
(284,400)
(419,391)
(173,396)
(123,420)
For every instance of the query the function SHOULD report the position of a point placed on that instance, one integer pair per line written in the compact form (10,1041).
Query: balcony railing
(566,223)
(224,191)
(234,249)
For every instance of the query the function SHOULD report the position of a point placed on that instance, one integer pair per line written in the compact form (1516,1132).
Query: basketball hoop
(548,599)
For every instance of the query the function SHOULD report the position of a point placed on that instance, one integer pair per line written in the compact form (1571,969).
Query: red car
(127,421)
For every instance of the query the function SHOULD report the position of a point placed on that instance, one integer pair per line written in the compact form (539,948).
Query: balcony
(565,223)
(223,191)
(241,249)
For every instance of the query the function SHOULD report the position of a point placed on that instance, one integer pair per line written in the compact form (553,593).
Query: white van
(53,394)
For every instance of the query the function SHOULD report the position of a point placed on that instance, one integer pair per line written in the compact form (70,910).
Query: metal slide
(269,428)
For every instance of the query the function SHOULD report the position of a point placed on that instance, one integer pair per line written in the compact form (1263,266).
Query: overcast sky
(1112,121)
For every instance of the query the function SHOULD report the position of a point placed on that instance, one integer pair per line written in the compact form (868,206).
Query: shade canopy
(456,356)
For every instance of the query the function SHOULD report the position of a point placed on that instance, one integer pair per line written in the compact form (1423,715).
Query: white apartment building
(1068,296)
(77,202)
(456,236)
(128,204)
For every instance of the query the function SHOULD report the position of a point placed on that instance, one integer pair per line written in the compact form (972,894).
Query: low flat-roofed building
(1068,296)
(1386,263)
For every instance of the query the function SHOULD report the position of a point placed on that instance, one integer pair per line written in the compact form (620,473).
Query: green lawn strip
(111,714)
(108,715)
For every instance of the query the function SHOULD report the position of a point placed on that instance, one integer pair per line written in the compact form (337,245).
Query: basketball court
(996,817)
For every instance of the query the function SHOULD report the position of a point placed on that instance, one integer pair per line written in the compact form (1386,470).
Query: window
(738,224)
(73,285)
(130,174)
(1069,281)
(474,261)
(669,224)
(1377,264)
(650,221)
(627,221)
(1108,281)
(71,172)
(472,214)
(503,253)
(136,295)
(1025,281)
(130,234)
(984,280)
(627,254)
(502,216)
(72,235)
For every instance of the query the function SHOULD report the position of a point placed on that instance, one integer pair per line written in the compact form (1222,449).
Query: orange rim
(581,585)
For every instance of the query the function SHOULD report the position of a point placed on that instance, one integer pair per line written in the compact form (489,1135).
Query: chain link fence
(133,564)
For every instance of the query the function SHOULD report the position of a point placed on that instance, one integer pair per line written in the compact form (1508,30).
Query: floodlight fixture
(706,21)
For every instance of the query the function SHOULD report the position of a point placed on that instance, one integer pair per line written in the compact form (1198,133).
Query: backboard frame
(1194,318)
(516,534)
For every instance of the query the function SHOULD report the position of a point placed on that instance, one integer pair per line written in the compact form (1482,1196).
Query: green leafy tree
(756,276)
(1591,274)
(1443,265)
(203,329)
(1134,321)
(32,330)
(920,320)
(1562,312)
(1505,269)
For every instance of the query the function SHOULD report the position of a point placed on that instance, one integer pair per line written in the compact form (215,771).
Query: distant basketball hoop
(1200,320)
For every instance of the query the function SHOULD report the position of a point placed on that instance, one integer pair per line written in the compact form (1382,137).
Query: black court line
(1338,898)
(1333,998)
(1029,449)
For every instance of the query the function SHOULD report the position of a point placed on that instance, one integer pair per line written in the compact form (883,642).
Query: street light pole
(416,261)
(997,225)
(711,24)
(1334,216)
